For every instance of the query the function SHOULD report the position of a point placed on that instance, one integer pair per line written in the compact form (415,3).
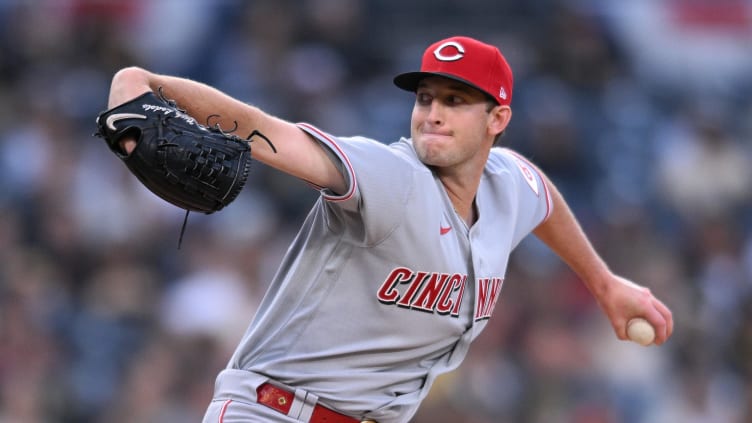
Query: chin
(433,160)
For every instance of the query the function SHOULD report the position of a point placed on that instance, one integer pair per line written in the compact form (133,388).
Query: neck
(461,183)
(462,197)
(468,213)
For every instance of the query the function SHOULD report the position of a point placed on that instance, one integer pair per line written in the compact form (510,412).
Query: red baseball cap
(467,60)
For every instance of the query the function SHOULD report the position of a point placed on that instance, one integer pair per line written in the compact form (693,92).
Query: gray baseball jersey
(385,286)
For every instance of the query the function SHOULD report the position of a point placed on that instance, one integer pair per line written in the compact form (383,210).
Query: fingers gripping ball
(640,331)
(195,167)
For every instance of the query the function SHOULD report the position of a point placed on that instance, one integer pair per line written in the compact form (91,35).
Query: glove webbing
(255,133)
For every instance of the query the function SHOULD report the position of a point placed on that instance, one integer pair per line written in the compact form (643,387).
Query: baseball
(640,331)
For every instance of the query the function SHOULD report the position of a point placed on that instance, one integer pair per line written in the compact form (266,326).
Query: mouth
(435,134)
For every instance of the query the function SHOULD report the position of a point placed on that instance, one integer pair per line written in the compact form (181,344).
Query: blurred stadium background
(639,110)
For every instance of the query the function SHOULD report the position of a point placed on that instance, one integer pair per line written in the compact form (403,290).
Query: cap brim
(409,81)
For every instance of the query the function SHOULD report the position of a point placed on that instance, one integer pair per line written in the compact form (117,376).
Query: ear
(498,119)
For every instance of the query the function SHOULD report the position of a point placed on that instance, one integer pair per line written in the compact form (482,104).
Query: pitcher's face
(451,122)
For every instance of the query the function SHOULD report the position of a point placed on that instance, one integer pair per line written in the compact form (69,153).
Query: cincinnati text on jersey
(439,293)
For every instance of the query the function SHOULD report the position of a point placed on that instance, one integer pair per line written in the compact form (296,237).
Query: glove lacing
(216,128)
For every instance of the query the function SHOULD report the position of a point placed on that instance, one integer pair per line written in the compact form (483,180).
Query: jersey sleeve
(339,158)
(378,185)
(529,190)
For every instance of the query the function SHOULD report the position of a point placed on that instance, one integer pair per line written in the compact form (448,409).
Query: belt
(281,400)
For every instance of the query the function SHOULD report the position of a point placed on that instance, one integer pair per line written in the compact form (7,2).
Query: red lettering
(445,302)
(429,295)
(388,293)
(412,289)
(488,294)
(430,292)
(458,301)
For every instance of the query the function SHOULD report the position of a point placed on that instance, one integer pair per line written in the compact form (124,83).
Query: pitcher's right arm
(297,153)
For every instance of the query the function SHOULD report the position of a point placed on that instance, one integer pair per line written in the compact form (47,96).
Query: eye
(455,100)
(423,99)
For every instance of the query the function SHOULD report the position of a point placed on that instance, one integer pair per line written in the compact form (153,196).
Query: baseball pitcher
(401,261)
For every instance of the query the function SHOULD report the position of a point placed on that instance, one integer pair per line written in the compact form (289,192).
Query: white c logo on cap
(457,56)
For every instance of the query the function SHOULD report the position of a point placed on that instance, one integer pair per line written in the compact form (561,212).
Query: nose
(435,113)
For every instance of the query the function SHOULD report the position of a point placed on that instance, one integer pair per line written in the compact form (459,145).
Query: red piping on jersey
(549,201)
(224,408)
(354,183)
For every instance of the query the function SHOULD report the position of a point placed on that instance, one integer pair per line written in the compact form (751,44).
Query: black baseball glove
(195,167)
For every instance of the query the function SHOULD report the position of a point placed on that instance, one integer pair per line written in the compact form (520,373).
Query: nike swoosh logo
(444,231)
(111,119)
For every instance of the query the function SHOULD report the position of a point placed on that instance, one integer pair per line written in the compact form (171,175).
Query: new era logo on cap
(468,60)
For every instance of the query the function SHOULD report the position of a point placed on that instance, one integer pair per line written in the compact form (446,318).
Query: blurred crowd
(639,111)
